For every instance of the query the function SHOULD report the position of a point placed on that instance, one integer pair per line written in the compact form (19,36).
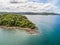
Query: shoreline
(28,30)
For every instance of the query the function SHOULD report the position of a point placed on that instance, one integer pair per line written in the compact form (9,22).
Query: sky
(30,6)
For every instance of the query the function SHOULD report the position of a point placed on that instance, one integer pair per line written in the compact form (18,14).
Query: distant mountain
(32,13)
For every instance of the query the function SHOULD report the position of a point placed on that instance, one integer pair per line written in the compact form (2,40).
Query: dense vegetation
(15,20)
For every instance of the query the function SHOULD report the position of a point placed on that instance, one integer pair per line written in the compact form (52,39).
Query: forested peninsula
(17,21)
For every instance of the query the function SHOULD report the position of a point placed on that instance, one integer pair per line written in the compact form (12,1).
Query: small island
(17,21)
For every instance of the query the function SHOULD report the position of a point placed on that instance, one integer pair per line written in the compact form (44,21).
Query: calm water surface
(49,28)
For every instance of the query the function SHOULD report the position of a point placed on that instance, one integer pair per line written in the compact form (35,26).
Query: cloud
(53,1)
(26,6)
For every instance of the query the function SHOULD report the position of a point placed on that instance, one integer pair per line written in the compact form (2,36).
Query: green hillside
(16,20)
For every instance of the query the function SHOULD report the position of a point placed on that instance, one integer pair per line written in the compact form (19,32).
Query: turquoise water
(49,28)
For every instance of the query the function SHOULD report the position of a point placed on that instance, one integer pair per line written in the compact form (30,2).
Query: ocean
(48,26)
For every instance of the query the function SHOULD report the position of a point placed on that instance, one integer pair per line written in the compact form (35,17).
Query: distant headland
(32,13)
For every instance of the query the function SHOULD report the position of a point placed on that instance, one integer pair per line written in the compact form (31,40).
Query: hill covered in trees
(32,13)
(16,20)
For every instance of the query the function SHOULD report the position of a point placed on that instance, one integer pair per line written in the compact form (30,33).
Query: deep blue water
(49,28)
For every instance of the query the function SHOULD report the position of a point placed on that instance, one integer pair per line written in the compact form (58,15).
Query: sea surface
(49,28)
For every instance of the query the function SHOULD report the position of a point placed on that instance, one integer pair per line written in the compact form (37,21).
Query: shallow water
(49,28)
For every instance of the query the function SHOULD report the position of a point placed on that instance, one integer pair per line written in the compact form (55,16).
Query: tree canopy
(16,20)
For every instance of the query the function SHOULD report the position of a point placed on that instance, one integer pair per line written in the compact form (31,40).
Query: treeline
(16,20)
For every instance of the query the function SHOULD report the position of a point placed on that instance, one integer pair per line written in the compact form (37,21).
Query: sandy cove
(30,31)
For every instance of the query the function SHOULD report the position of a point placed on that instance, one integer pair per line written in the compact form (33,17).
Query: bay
(49,28)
